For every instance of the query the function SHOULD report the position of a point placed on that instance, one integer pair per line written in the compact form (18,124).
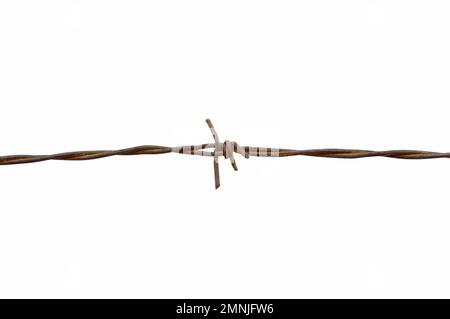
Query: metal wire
(355,153)
(83,155)
(153,149)
(225,149)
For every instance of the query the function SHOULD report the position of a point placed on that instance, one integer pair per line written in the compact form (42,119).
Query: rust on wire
(226,149)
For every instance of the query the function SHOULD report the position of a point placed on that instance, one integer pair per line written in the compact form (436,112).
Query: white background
(77,75)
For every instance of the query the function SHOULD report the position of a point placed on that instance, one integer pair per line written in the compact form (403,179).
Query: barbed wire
(226,149)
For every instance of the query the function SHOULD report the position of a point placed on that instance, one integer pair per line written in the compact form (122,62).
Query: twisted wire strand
(153,149)
(355,153)
(226,149)
(83,155)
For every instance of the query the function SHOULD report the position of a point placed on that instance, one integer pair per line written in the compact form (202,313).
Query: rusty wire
(225,149)
(83,155)
(153,149)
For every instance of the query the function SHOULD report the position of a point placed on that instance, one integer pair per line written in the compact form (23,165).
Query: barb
(225,149)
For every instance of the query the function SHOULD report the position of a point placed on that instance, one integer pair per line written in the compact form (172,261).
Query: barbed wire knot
(227,149)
